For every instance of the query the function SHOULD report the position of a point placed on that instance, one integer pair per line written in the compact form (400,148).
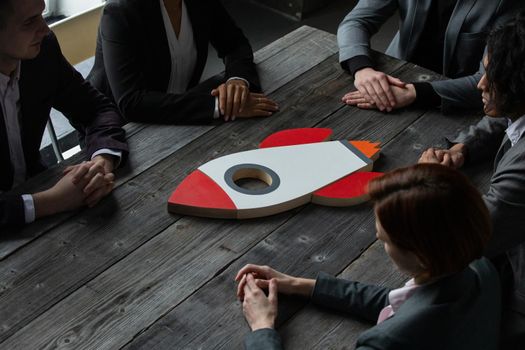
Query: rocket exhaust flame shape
(298,165)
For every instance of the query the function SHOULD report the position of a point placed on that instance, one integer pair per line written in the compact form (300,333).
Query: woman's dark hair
(506,68)
(434,212)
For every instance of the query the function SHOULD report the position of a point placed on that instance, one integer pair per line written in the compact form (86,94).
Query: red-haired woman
(434,227)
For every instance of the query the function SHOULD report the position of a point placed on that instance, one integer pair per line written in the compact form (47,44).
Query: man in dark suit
(151,54)
(34,77)
(500,134)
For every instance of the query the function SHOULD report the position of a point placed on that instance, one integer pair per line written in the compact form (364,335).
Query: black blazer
(50,81)
(133,61)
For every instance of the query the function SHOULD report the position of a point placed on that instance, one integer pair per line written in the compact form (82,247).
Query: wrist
(460,148)
(412,93)
(262,325)
(44,205)
(363,70)
(237,81)
(108,162)
(303,286)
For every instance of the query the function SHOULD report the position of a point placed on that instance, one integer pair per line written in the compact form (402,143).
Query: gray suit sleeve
(359,299)
(356,29)
(263,339)
(460,93)
(505,200)
(483,139)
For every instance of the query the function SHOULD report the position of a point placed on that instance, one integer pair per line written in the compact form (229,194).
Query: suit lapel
(417,24)
(160,55)
(453,29)
(199,23)
(6,175)
(505,148)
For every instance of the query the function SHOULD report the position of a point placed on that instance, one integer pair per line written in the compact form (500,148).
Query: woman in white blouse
(151,55)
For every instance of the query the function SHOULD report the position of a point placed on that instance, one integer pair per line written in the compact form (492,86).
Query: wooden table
(127,274)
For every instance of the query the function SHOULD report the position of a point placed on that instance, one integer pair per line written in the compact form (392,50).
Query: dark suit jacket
(133,62)
(50,81)
(505,198)
(460,312)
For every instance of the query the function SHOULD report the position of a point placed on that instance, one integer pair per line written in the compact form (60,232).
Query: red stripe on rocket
(298,165)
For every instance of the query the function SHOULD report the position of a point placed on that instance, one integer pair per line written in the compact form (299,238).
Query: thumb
(396,82)
(263,284)
(215,92)
(272,291)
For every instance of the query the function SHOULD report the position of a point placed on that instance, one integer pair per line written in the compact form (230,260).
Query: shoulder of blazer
(437,310)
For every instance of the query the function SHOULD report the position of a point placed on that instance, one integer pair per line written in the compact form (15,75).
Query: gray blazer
(505,197)
(456,312)
(464,39)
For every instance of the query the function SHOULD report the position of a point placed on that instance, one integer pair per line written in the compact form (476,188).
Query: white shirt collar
(9,80)
(515,129)
(397,297)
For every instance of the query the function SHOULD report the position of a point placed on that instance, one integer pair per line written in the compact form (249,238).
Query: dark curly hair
(506,68)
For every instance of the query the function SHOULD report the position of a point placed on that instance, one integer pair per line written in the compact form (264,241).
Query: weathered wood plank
(110,245)
(295,43)
(280,44)
(110,310)
(296,59)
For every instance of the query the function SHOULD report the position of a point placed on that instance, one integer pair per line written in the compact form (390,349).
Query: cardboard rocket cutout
(298,165)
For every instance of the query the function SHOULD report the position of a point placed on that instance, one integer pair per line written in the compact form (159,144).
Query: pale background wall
(72,7)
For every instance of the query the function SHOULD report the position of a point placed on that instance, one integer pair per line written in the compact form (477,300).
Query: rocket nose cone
(199,195)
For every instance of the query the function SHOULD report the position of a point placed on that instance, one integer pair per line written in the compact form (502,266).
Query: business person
(499,136)
(433,225)
(151,54)
(35,76)
(446,36)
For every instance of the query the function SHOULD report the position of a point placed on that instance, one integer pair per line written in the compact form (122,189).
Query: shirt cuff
(216,113)
(426,96)
(239,78)
(29,208)
(111,152)
(356,63)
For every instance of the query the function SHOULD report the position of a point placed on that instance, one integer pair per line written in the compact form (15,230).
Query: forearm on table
(355,298)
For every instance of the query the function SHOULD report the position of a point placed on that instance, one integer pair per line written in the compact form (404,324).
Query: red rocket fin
(368,148)
(299,136)
(199,195)
(350,190)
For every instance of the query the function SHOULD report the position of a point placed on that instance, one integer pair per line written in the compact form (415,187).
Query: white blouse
(182,50)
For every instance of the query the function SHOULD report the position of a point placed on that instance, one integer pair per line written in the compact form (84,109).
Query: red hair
(434,212)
